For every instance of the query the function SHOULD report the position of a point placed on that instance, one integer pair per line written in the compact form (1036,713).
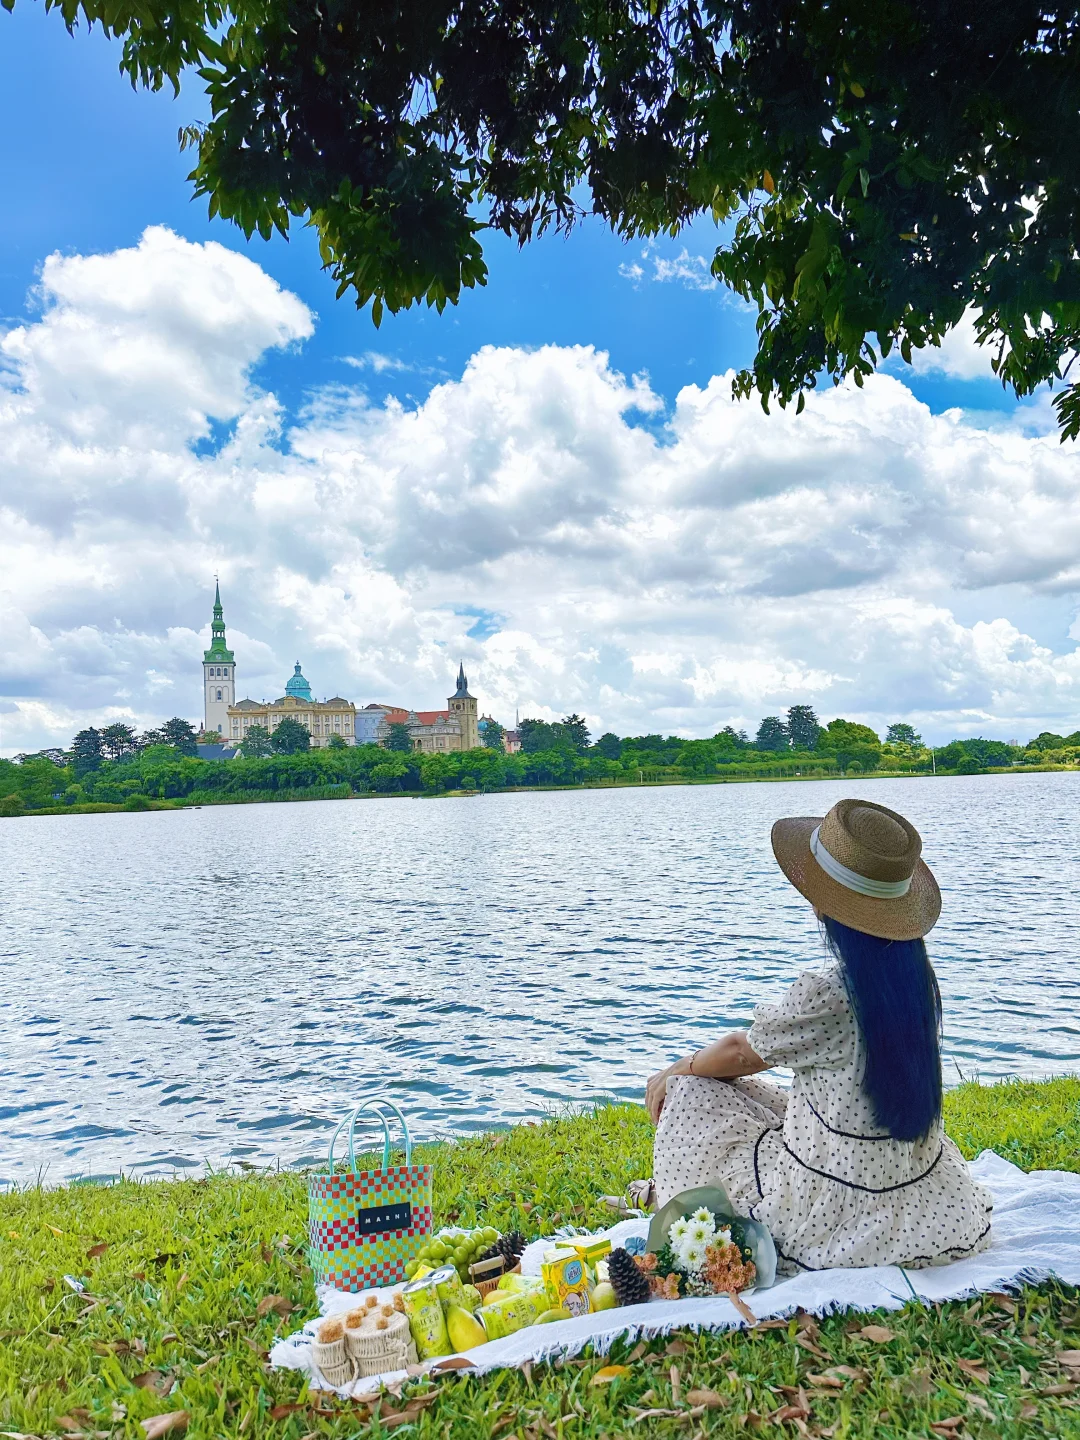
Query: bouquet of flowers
(703,1254)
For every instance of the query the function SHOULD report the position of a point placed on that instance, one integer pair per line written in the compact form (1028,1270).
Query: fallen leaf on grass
(948,1426)
(637,1352)
(918,1384)
(677,1347)
(165,1424)
(277,1303)
(805,1343)
(96,1250)
(452,1362)
(742,1307)
(77,1420)
(877,1333)
(1066,1389)
(282,1412)
(610,1373)
(979,1403)
(830,1382)
(54,1230)
(164,1257)
(710,1399)
(1027,1411)
(650,1415)
(788,1412)
(976,1369)
(154,1380)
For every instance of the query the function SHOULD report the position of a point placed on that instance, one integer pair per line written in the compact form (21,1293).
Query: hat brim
(908,917)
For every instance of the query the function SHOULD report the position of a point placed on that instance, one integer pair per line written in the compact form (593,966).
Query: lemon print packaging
(566,1281)
(427,1322)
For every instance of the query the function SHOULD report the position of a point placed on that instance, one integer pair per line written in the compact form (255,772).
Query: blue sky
(96,162)
(641,551)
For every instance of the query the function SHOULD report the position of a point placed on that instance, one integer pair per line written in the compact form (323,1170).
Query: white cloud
(959,356)
(651,571)
(692,271)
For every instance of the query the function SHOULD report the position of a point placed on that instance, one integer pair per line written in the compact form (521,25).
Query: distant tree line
(114,767)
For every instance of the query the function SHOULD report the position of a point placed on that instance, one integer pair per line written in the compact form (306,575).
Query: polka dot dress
(833,1189)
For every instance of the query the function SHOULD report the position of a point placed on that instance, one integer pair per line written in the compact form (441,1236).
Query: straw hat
(860,864)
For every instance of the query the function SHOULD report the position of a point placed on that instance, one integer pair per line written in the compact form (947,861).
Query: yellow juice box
(566,1281)
(589,1248)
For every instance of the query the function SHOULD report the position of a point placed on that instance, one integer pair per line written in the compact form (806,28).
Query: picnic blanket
(1036,1235)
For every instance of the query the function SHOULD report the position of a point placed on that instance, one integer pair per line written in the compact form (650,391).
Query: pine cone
(631,1286)
(510,1246)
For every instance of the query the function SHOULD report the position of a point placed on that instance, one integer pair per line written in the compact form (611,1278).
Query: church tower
(462,707)
(219,675)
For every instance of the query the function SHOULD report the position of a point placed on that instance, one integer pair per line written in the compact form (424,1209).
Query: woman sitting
(851,1166)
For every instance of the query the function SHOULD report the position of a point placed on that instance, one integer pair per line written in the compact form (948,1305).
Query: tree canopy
(878,169)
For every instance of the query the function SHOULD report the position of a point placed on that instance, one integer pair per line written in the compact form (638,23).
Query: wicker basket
(373,1351)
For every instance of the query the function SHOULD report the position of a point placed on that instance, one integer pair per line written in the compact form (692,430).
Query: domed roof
(297,685)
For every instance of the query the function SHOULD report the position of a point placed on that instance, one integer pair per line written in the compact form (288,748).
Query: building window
(219,694)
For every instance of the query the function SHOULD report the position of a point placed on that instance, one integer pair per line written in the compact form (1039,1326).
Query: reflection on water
(195,987)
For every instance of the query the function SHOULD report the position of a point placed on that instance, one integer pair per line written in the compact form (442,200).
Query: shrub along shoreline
(186,1283)
(39,787)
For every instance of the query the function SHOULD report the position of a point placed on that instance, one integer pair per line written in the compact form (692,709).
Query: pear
(550,1316)
(603,1296)
(464,1330)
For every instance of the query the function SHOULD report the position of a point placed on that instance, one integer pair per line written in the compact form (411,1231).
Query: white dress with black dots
(810,1163)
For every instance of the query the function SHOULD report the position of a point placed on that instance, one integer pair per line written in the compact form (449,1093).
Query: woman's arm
(724,1059)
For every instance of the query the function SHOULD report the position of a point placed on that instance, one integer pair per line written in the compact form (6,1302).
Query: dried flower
(726,1270)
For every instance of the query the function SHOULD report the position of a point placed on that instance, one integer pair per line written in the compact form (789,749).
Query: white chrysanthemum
(723,1236)
(678,1230)
(705,1216)
(693,1255)
(700,1231)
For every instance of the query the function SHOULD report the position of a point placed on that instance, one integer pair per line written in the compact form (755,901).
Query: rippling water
(207,986)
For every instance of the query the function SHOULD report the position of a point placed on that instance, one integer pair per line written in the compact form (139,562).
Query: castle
(431,731)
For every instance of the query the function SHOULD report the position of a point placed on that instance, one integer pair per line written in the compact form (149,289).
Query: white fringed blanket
(1036,1234)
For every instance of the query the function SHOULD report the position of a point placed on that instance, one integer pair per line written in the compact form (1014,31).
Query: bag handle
(350,1121)
(373,1103)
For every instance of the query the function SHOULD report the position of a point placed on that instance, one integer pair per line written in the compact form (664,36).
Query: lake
(215,986)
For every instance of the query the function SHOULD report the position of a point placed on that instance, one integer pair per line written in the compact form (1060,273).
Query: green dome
(298,686)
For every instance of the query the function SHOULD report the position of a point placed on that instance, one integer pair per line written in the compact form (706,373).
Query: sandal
(641,1201)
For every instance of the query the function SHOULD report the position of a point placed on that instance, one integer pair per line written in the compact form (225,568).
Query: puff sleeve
(811,1027)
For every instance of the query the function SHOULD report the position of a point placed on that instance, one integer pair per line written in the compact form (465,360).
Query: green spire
(218,652)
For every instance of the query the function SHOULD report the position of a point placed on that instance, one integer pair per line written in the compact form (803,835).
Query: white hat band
(851,879)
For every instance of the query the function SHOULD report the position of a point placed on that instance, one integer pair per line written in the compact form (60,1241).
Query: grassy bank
(342,791)
(188,1283)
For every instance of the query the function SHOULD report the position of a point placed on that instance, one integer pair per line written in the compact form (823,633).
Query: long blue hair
(895,998)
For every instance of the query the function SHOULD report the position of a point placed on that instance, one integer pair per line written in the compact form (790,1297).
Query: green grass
(180,1310)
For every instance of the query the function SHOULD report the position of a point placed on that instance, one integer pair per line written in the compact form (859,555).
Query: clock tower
(219,675)
(462,708)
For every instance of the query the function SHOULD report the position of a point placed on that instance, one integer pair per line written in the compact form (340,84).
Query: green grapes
(459,1248)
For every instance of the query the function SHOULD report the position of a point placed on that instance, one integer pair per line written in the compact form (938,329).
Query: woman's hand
(656,1089)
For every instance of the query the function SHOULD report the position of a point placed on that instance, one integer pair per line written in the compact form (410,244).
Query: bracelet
(693,1057)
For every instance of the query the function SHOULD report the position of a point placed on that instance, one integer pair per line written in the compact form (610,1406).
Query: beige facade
(322,718)
(435,732)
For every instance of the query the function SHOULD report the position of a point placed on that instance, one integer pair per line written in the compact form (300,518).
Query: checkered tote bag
(364,1226)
